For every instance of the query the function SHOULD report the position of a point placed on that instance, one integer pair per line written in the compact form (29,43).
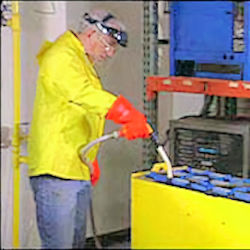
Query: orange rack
(207,86)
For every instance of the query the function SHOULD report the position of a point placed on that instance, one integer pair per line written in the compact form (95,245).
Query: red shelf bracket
(207,86)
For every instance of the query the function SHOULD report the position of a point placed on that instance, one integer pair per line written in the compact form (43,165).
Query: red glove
(135,130)
(134,122)
(96,173)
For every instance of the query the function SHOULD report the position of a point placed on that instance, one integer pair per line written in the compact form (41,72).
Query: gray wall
(39,21)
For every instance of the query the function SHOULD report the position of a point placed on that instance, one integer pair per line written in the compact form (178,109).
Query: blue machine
(210,39)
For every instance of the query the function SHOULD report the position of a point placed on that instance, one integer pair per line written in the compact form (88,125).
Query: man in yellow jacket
(69,112)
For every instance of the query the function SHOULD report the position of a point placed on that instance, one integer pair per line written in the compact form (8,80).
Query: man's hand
(134,122)
(136,129)
(95,176)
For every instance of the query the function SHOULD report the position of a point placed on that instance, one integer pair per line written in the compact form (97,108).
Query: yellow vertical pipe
(16,31)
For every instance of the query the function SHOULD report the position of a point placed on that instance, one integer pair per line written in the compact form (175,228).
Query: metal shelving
(150,67)
(207,86)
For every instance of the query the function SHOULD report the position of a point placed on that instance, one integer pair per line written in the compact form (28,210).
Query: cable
(92,219)
(6,12)
(167,138)
(207,104)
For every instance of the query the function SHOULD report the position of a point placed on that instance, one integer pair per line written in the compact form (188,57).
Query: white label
(233,84)
(207,163)
(167,82)
(246,85)
(187,83)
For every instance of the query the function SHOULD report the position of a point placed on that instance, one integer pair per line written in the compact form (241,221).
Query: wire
(167,138)
(207,103)
(6,12)
(92,218)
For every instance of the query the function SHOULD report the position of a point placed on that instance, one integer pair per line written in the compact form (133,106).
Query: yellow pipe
(16,31)
(24,159)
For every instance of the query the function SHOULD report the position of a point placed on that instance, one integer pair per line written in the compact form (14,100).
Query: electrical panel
(219,145)
(210,39)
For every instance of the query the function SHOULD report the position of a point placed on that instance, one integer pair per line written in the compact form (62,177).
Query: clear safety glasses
(108,46)
(120,36)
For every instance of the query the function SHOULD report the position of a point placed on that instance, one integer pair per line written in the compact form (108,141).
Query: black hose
(92,219)
(98,244)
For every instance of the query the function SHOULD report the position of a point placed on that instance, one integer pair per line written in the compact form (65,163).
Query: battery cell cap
(179,182)
(242,196)
(221,191)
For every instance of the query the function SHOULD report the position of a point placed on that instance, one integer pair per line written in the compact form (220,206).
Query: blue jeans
(61,209)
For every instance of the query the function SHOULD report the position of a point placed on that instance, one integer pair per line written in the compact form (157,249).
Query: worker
(70,109)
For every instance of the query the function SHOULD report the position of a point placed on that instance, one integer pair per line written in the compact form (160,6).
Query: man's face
(104,47)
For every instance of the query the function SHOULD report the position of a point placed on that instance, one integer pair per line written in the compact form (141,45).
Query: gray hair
(99,15)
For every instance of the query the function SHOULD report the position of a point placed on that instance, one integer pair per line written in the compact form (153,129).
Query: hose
(83,152)
(115,135)
(161,151)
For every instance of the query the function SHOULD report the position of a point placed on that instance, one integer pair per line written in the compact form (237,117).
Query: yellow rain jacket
(69,110)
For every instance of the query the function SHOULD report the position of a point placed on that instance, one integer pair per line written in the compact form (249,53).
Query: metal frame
(150,66)
(217,87)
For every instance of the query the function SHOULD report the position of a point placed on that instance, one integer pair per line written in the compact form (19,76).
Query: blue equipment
(210,39)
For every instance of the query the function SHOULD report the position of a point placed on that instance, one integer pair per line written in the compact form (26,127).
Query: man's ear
(91,32)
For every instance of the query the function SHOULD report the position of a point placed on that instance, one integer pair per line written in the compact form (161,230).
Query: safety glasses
(107,45)
(120,36)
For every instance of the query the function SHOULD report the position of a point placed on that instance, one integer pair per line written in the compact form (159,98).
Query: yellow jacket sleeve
(74,80)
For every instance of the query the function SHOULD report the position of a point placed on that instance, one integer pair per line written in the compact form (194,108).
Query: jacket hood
(46,45)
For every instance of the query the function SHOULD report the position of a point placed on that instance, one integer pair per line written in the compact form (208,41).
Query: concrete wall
(39,21)
(6,121)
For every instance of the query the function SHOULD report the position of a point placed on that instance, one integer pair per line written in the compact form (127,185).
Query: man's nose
(111,51)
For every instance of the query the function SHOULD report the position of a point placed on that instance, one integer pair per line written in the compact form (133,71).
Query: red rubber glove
(135,130)
(134,122)
(95,176)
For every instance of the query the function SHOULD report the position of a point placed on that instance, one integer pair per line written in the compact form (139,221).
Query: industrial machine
(219,145)
(210,39)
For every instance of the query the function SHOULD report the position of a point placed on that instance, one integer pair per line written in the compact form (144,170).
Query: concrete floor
(116,240)
(121,245)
